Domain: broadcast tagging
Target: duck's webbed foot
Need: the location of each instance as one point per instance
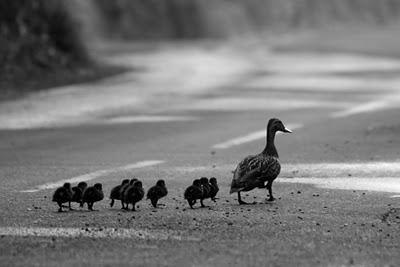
(241, 202)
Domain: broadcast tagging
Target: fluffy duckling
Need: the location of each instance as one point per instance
(123, 189)
(78, 193)
(115, 192)
(193, 192)
(156, 192)
(63, 195)
(206, 190)
(214, 188)
(133, 194)
(93, 194)
(256, 170)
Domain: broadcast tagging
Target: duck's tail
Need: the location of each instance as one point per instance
(235, 187)
(235, 190)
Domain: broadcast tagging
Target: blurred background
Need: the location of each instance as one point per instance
(51, 35)
(184, 46)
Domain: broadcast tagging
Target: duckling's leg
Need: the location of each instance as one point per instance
(154, 202)
(190, 202)
(241, 202)
(202, 204)
(112, 203)
(60, 205)
(122, 205)
(133, 207)
(269, 187)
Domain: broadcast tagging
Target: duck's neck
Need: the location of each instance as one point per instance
(270, 149)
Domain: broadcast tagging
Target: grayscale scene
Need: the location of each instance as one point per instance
(200, 133)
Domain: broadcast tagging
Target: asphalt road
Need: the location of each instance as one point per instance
(343, 108)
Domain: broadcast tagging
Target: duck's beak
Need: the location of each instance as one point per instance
(286, 130)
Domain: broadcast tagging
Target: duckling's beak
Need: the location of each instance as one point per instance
(286, 130)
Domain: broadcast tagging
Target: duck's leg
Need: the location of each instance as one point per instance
(122, 205)
(202, 204)
(269, 187)
(241, 202)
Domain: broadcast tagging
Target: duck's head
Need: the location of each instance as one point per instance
(197, 182)
(98, 186)
(204, 180)
(82, 185)
(125, 181)
(67, 185)
(138, 184)
(276, 125)
(213, 180)
(161, 183)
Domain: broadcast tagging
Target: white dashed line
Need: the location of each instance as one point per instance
(381, 184)
(362, 108)
(121, 233)
(94, 175)
(249, 138)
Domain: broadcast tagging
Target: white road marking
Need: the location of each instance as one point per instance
(94, 175)
(381, 184)
(362, 108)
(318, 170)
(317, 83)
(249, 138)
(341, 169)
(96, 233)
(147, 118)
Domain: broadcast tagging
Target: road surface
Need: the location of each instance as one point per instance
(188, 111)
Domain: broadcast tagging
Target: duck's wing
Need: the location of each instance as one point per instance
(247, 172)
(253, 171)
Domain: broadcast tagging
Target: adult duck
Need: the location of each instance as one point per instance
(256, 170)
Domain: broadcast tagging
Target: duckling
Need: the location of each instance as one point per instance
(214, 188)
(206, 190)
(63, 195)
(133, 195)
(115, 192)
(156, 192)
(123, 189)
(256, 170)
(78, 193)
(193, 192)
(93, 194)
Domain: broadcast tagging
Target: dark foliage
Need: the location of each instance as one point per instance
(36, 35)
